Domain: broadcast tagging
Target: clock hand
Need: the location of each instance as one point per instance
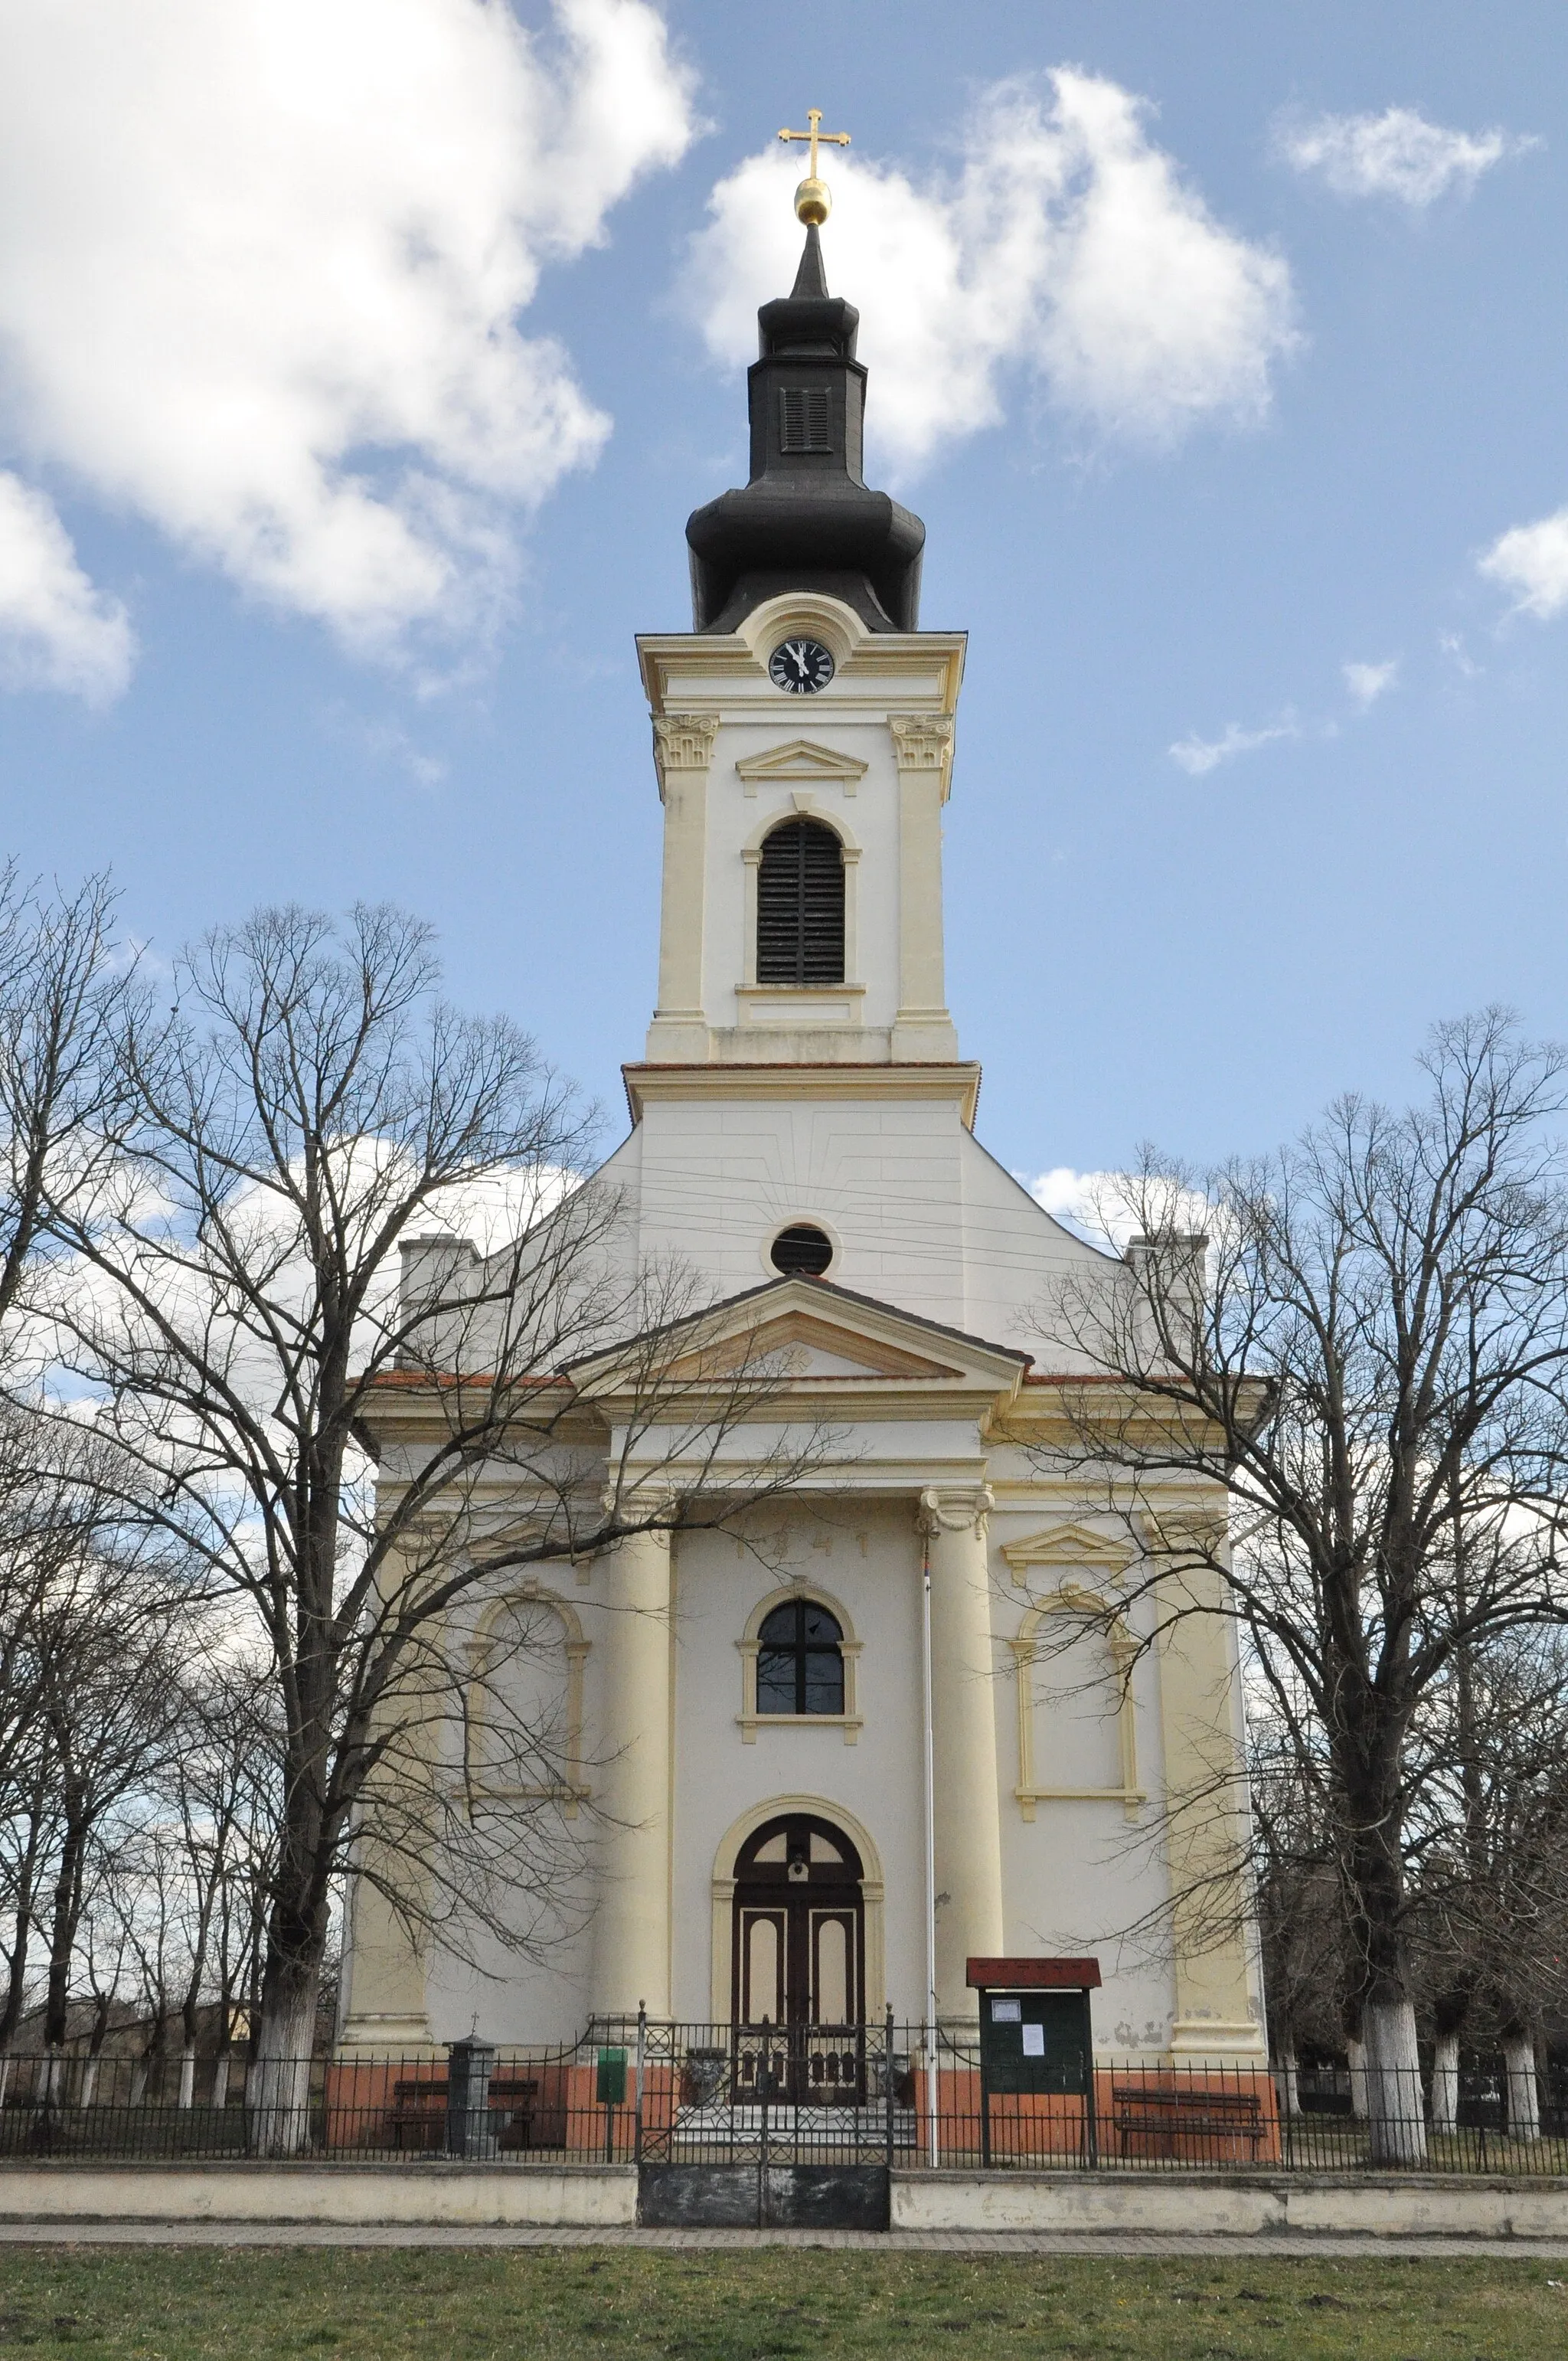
(798, 653)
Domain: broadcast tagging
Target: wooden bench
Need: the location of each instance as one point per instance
(418, 2117)
(1173, 2115)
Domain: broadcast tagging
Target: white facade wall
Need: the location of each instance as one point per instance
(746, 1121)
(920, 1215)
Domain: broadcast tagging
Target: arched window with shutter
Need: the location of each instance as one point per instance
(800, 906)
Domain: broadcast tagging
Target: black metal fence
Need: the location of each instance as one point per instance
(631, 2090)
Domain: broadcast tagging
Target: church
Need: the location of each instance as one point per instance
(825, 1761)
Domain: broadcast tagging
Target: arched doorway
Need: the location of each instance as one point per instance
(798, 1958)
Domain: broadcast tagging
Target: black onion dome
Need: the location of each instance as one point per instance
(806, 520)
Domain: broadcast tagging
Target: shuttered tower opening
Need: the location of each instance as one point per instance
(800, 906)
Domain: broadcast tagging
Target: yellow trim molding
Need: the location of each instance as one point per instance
(1096, 1612)
(849, 1721)
(1069, 1544)
(872, 1894)
(572, 1789)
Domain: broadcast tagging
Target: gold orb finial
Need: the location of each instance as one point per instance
(812, 203)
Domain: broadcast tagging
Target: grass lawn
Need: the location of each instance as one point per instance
(250, 2304)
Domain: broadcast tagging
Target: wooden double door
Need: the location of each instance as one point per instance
(799, 1962)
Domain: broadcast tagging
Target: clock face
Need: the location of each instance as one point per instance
(800, 668)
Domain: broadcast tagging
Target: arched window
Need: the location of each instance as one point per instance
(800, 1659)
(800, 906)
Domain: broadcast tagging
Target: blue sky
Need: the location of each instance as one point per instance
(337, 513)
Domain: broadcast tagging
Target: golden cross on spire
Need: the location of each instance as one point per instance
(812, 202)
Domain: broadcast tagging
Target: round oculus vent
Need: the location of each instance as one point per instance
(802, 1251)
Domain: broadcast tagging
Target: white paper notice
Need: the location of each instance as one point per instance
(1033, 2042)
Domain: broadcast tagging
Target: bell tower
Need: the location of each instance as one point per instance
(803, 736)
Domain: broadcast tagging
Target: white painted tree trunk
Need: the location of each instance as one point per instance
(187, 2075)
(54, 2077)
(1524, 2097)
(221, 2080)
(1445, 2083)
(1290, 2084)
(279, 2090)
(1356, 2052)
(1395, 2111)
(90, 2081)
(138, 2081)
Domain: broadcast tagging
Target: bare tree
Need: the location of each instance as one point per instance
(82, 1603)
(1487, 1861)
(1369, 1350)
(308, 1108)
(109, 1645)
(220, 1794)
(1302, 1927)
(61, 997)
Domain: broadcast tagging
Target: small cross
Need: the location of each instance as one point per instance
(833, 138)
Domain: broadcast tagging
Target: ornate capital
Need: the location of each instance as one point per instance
(684, 741)
(948, 1511)
(921, 741)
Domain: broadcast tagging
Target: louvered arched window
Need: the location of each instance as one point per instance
(800, 906)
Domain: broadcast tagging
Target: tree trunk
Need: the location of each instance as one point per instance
(279, 2085)
(64, 1918)
(1445, 2083)
(1289, 2087)
(221, 2081)
(1394, 2107)
(188, 2074)
(101, 2003)
(1356, 2054)
(1524, 2096)
(17, 1958)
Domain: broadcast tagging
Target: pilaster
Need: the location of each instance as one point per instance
(922, 744)
(383, 2004)
(968, 1811)
(1218, 2013)
(632, 1921)
(683, 755)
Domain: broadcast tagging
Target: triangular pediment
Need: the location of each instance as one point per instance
(807, 1332)
(798, 1345)
(1069, 1546)
(802, 759)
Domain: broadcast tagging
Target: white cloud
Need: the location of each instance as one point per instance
(1093, 1205)
(1109, 1208)
(273, 257)
(1369, 681)
(1069, 247)
(1198, 756)
(56, 631)
(1530, 561)
(1396, 154)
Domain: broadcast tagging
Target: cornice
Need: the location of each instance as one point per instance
(647, 1085)
(864, 658)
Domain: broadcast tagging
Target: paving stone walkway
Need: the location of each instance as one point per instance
(928, 2242)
